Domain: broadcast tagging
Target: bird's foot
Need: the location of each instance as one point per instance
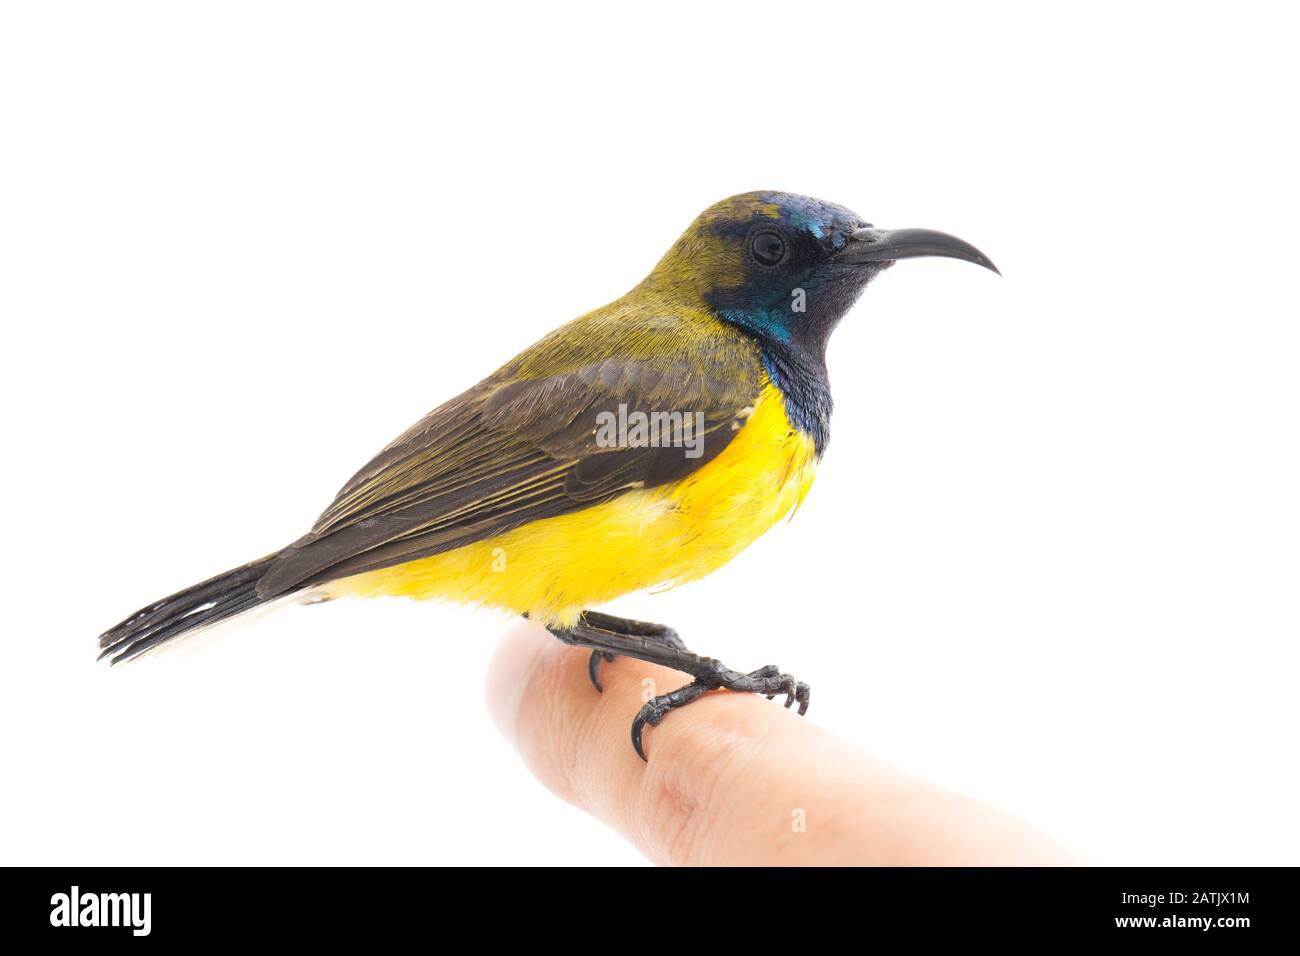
(768, 681)
(608, 637)
(593, 667)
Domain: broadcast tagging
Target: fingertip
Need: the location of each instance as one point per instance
(512, 668)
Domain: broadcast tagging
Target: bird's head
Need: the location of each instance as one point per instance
(786, 268)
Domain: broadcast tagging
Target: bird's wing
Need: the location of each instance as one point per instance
(515, 449)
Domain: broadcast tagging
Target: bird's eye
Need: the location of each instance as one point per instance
(767, 248)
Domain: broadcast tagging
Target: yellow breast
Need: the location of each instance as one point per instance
(554, 568)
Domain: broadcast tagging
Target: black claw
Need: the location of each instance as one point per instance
(593, 667)
(649, 714)
(803, 694)
(638, 725)
(655, 710)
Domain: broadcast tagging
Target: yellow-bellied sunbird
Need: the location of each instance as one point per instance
(643, 444)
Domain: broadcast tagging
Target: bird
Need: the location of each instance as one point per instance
(641, 445)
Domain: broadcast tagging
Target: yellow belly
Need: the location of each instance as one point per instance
(554, 568)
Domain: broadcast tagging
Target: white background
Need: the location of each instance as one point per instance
(1051, 556)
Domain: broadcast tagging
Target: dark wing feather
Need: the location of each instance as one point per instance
(516, 449)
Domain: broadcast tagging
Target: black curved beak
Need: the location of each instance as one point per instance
(885, 245)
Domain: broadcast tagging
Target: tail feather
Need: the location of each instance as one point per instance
(208, 602)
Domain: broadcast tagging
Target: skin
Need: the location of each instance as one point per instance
(725, 778)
